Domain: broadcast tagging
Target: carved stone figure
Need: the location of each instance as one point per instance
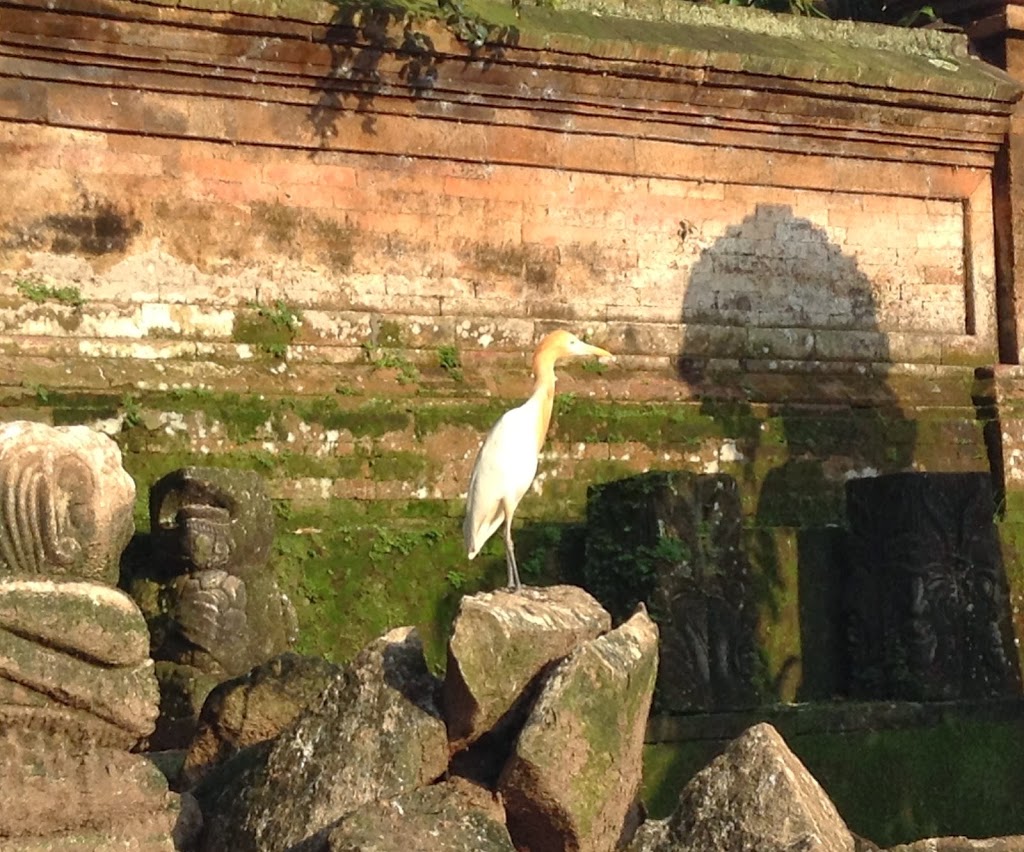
(214, 609)
(221, 609)
(67, 503)
(72, 648)
(673, 541)
(77, 687)
(926, 596)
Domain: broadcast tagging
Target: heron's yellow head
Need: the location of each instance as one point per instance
(561, 344)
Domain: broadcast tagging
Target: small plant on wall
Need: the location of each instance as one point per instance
(36, 291)
(389, 359)
(450, 361)
(271, 328)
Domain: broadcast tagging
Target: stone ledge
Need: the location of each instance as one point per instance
(727, 40)
(839, 717)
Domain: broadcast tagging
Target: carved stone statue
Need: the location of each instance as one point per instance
(214, 609)
(77, 687)
(673, 541)
(926, 596)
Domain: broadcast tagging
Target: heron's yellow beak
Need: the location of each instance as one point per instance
(603, 354)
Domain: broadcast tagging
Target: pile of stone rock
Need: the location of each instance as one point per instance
(532, 740)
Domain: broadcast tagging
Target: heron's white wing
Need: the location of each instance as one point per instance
(504, 469)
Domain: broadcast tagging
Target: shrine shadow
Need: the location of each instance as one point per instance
(765, 301)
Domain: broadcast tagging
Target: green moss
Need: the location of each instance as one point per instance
(270, 328)
(244, 415)
(654, 424)
(565, 497)
(477, 415)
(399, 465)
(798, 494)
(773, 556)
(389, 333)
(372, 419)
(354, 577)
(69, 408)
(922, 783)
(145, 467)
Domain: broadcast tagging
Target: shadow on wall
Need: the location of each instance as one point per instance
(768, 299)
(913, 602)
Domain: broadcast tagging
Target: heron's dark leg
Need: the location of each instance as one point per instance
(510, 555)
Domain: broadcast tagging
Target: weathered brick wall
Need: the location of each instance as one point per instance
(856, 232)
(168, 239)
(786, 236)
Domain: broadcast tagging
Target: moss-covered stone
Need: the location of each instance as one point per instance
(576, 764)
(737, 39)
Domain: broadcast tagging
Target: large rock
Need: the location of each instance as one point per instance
(253, 708)
(55, 787)
(755, 797)
(75, 654)
(450, 817)
(374, 732)
(501, 641)
(573, 778)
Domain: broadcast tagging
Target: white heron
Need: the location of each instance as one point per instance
(507, 461)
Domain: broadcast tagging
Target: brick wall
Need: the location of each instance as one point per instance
(597, 193)
(643, 262)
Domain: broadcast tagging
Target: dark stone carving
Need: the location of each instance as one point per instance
(220, 608)
(926, 598)
(673, 541)
(208, 518)
(213, 606)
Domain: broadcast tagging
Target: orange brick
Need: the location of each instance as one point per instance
(395, 181)
(340, 198)
(396, 223)
(287, 173)
(220, 168)
(498, 190)
(244, 192)
(661, 187)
